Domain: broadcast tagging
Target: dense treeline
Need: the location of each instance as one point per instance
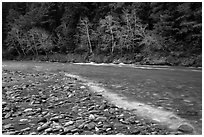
(148, 33)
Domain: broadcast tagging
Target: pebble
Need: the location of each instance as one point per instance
(68, 129)
(108, 129)
(82, 87)
(25, 129)
(68, 123)
(33, 133)
(56, 119)
(8, 126)
(48, 130)
(101, 118)
(90, 126)
(28, 109)
(3, 103)
(7, 115)
(64, 109)
(23, 120)
(43, 127)
(9, 133)
(91, 117)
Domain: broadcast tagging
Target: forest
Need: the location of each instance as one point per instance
(163, 33)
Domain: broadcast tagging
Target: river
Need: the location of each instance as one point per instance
(172, 89)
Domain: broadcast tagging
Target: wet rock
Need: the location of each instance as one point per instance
(185, 128)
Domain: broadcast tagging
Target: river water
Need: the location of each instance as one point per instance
(173, 89)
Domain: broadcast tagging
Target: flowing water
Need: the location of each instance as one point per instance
(164, 94)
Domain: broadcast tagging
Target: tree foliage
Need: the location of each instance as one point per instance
(103, 28)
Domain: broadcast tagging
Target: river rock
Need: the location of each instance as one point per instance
(43, 127)
(8, 115)
(185, 128)
(23, 120)
(100, 118)
(8, 126)
(28, 109)
(4, 103)
(87, 133)
(134, 130)
(82, 87)
(91, 117)
(90, 126)
(68, 129)
(68, 123)
(42, 120)
(56, 119)
(48, 130)
(10, 133)
(25, 129)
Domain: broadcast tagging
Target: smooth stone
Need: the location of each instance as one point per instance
(33, 133)
(26, 129)
(68, 123)
(9, 133)
(101, 119)
(68, 129)
(8, 126)
(43, 127)
(90, 126)
(56, 118)
(185, 128)
(91, 117)
(28, 109)
(82, 87)
(48, 130)
(42, 120)
(4, 103)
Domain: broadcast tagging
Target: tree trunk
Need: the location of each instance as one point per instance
(19, 54)
(23, 52)
(36, 50)
(112, 39)
(89, 41)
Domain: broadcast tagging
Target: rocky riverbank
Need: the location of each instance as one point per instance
(48, 103)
